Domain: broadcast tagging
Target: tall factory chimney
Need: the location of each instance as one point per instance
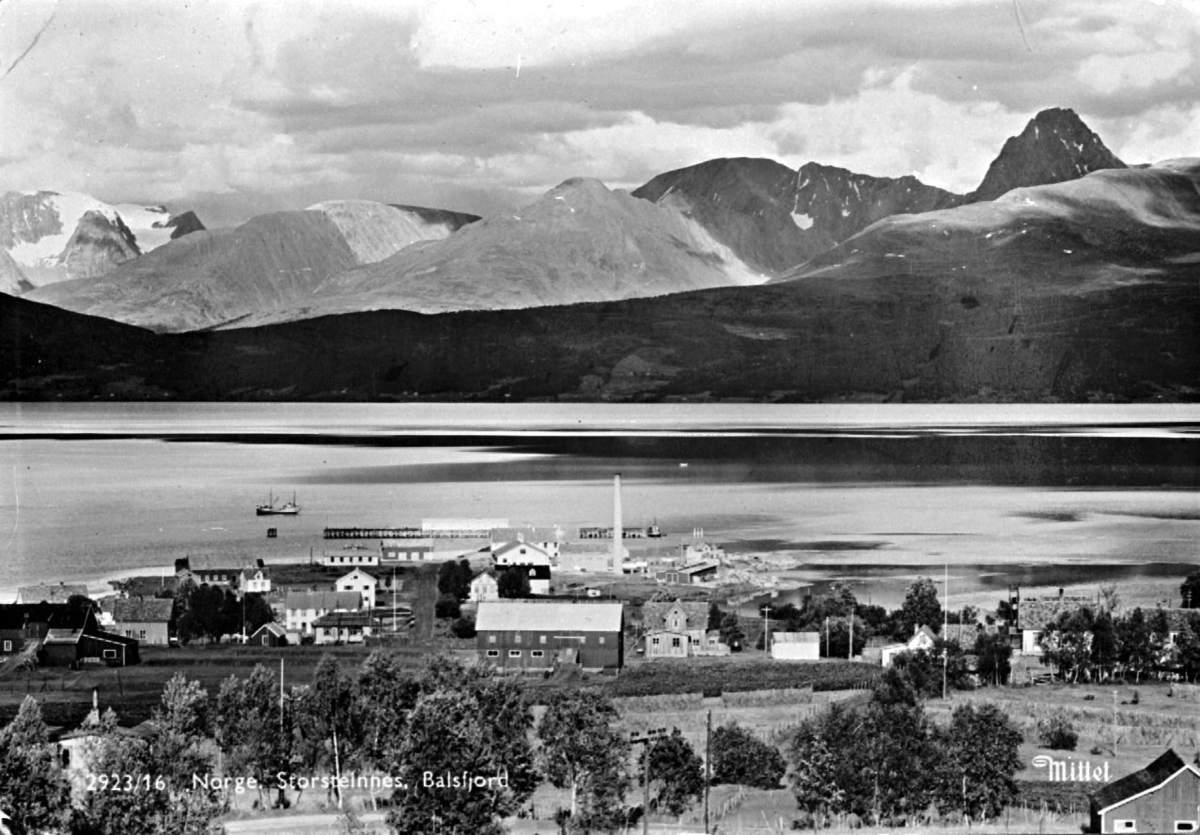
(617, 533)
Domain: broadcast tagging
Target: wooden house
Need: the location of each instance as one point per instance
(361, 582)
(148, 619)
(679, 630)
(302, 608)
(535, 636)
(343, 627)
(1162, 797)
(270, 634)
(702, 572)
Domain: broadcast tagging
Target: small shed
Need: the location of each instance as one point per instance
(702, 572)
(72, 647)
(795, 646)
(1162, 797)
(269, 635)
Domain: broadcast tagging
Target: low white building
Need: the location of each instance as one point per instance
(302, 608)
(795, 646)
(351, 556)
(361, 582)
(406, 550)
(343, 628)
(484, 588)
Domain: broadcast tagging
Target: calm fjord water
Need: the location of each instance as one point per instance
(89, 491)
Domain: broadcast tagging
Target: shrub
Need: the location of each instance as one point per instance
(447, 606)
(1057, 732)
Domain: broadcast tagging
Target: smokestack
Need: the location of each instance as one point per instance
(617, 531)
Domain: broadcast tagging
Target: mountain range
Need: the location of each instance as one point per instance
(1066, 275)
(48, 236)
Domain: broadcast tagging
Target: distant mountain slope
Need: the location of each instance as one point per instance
(270, 262)
(1108, 224)
(579, 243)
(775, 218)
(62, 236)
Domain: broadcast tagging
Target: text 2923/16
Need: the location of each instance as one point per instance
(126, 782)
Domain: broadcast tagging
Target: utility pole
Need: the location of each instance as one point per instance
(648, 739)
(945, 624)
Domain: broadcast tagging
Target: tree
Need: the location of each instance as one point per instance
(383, 694)
(731, 632)
(676, 773)
(741, 758)
(33, 789)
(1189, 591)
(994, 654)
(1136, 643)
(463, 627)
(167, 802)
(206, 615)
(477, 726)
(328, 733)
(981, 756)
(715, 616)
(1057, 732)
(1066, 643)
(513, 582)
(920, 607)
(447, 607)
(252, 729)
(579, 747)
(1188, 647)
(454, 579)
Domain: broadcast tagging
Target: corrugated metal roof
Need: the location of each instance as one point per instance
(530, 616)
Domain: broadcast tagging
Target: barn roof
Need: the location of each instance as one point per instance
(535, 616)
(1140, 781)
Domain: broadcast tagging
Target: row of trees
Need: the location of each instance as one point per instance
(888, 764)
(443, 719)
(1087, 645)
(211, 612)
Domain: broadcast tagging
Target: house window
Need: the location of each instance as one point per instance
(493, 653)
(1124, 826)
(491, 639)
(266, 640)
(675, 643)
(655, 641)
(514, 653)
(517, 638)
(583, 639)
(537, 653)
(8, 646)
(601, 639)
(142, 634)
(109, 653)
(1185, 826)
(542, 639)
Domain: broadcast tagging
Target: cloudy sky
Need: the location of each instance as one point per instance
(233, 108)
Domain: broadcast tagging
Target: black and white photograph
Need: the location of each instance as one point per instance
(441, 417)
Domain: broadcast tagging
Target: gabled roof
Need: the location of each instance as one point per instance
(1139, 782)
(329, 600)
(535, 616)
(63, 636)
(143, 610)
(654, 613)
(358, 572)
(272, 627)
(1035, 613)
(696, 568)
(523, 552)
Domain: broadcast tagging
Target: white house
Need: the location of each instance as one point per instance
(302, 608)
(406, 550)
(256, 580)
(923, 638)
(519, 552)
(361, 582)
(795, 646)
(484, 588)
(343, 628)
(548, 539)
